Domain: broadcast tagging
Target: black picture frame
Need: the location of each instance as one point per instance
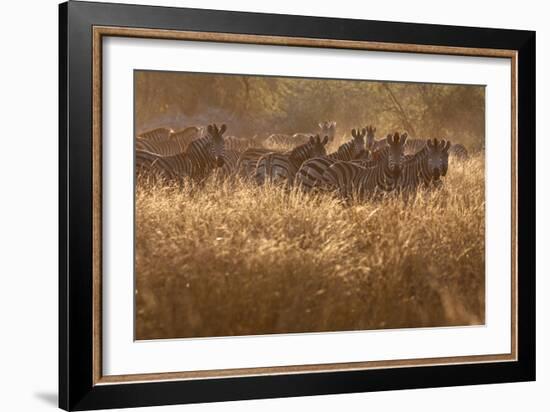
(76, 386)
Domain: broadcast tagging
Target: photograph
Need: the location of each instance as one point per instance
(282, 205)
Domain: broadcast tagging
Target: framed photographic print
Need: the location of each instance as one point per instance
(256, 205)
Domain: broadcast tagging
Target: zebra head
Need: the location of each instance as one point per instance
(438, 157)
(328, 129)
(396, 152)
(217, 144)
(371, 130)
(358, 142)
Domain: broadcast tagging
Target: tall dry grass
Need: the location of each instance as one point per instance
(229, 258)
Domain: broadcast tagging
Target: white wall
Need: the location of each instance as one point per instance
(28, 203)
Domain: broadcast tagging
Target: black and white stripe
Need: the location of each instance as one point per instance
(246, 165)
(173, 144)
(411, 147)
(381, 175)
(282, 141)
(282, 167)
(201, 157)
(229, 168)
(414, 146)
(239, 144)
(458, 151)
(426, 167)
(310, 174)
(160, 134)
(143, 163)
(372, 144)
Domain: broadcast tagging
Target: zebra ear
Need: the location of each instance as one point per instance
(388, 138)
(325, 141)
(447, 146)
(312, 139)
(209, 129)
(223, 129)
(354, 133)
(396, 138)
(429, 143)
(363, 132)
(403, 138)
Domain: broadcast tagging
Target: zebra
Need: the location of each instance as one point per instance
(414, 146)
(425, 167)
(246, 165)
(230, 159)
(174, 144)
(327, 129)
(375, 150)
(277, 167)
(238, 144)
(143, 162)
(184, 137)
(458, 151)
(309, 176)
(371, 143)
(284, 140)
(381, 175)
(411, 146)
(201, 157)
(160, 134)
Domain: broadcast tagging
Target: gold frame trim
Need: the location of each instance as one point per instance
(101, 31)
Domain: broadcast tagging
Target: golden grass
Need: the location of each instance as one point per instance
(230, 258)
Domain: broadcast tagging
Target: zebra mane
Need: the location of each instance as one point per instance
(205, 140)
(342, 150)
(301, 152)
(198, 152)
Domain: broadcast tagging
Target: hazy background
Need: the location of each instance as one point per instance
(260, 105)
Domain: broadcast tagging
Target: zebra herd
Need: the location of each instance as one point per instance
(363, 166)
